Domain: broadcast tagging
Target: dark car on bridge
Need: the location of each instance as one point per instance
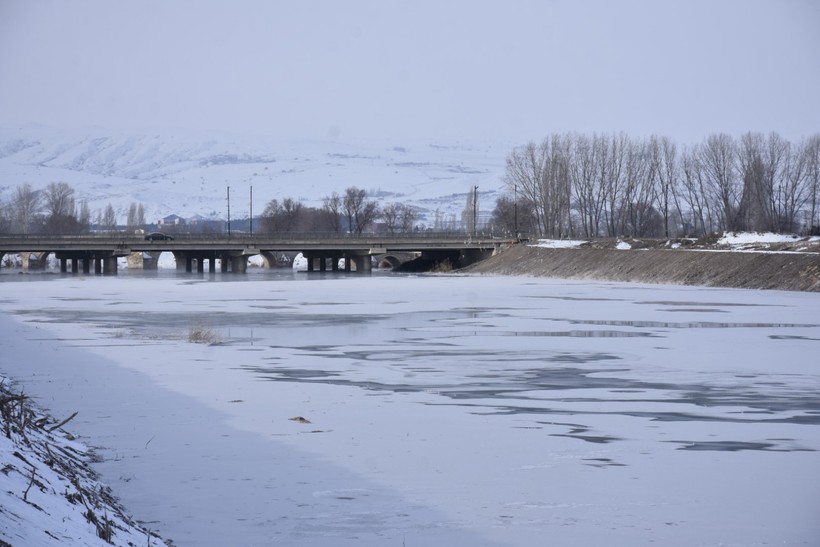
(158, 236)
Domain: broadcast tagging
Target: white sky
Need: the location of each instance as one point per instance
(461, 69)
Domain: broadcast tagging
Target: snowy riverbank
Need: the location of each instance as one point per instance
(50, 495)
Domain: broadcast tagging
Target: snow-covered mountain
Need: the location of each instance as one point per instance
(188, 174)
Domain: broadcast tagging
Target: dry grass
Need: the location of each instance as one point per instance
(203, 335)
(445, 266)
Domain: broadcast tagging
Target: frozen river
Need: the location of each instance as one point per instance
(457, 411)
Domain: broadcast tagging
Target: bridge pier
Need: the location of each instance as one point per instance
(110, 265)
(150, 261)
(363, 262)
(322, 257)
(239, 264)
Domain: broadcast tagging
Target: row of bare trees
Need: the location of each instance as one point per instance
(54, 210)
(351, 212)
(614, 185)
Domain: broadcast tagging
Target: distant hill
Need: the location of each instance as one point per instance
(188, 173)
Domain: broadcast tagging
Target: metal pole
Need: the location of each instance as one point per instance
(229, 211)
(475, 211)
(251, 210)
(515, 208)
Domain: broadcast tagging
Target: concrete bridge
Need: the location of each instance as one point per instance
(192, 251)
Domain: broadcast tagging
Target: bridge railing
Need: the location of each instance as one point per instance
(245, 236)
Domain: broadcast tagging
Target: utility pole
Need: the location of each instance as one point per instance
(475, 211)
(515, 209)
(229, 211)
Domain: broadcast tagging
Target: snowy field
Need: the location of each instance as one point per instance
(188, 173)
(458, 411)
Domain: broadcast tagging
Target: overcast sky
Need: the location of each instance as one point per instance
(507, 70)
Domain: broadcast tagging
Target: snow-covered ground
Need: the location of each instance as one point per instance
(728, 241)
(50, 495)
(391, 410)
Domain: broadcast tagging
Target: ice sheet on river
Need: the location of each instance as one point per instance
(441, 410)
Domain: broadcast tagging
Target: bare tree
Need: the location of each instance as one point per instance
(136, 216)
(796, 189)
(540, 175)
(469, 216)
(524, 176)
(399, 218)
(663, 155)
(811, 152)
(284, 216)
(615, 184)
(107, 221)
(639, 216)
(26, 204)
(5, 218)
(60, 209)
(717, 158)
(333, 211)
(408, 218)
(84, 217)
(694, 195)
(59, 199)
(587, 172)
(359, 211)
(511, 217)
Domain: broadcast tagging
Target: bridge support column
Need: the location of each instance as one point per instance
(223, 264)
(63, 266)
(75, 266)
(212, 265)
(86, 265)
(97, 265)
(367, 264)
(110, 265)
(179, 259)
(239, 264)
(362, 262)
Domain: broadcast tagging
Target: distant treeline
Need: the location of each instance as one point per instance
(569, 185)
(54, 211)
(578, 185)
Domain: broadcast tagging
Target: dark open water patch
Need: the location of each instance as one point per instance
(735, 446)
(520, 391)
(684, 324)
(698, 303)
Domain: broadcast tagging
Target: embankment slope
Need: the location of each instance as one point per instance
(790, 271)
